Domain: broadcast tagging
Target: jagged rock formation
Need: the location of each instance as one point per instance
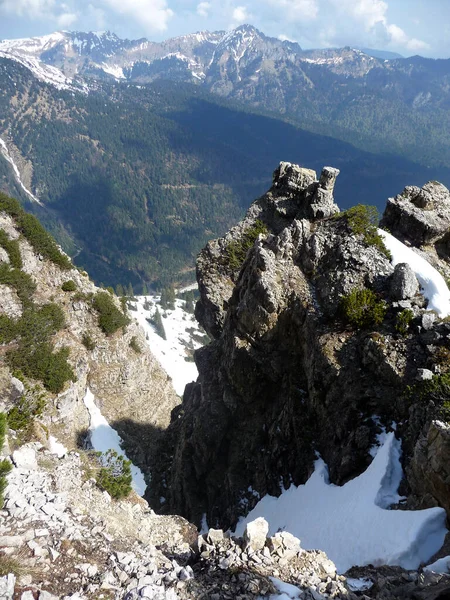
(285, 375)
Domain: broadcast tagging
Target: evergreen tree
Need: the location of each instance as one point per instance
(130, 291)
(168, 298)
(144, 289)
(159, 325)
(119, 290)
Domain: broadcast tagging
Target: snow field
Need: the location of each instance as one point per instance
(170, 353)
(353, 523)
(433, 284)
(103, 438)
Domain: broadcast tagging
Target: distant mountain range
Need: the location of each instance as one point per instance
(398, 106)
(141, 151)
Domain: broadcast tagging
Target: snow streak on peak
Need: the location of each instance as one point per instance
(35, 44)
(45, 73)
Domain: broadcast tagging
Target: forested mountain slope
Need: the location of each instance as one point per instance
(133, 180)
(398, 106)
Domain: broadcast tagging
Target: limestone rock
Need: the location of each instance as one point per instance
(255, 533)
(404, 284)
(419, 215)
(25, 458)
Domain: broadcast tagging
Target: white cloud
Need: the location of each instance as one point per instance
(34, 9)
(65, 20)
(152, 15)
(203, 9)
(240, 15)
(371, 16)
(298, 10)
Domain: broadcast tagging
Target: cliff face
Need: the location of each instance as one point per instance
(132, 391)
(286, 376)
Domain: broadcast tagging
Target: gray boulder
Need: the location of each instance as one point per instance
(404, 283)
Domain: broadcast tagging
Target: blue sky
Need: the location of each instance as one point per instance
(405, 26)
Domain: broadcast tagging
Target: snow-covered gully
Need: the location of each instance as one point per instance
(103, 438)
(353, 523)
(6, 154)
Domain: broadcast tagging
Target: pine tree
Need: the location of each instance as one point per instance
(119, 290)
(159, 325)
(144, 289)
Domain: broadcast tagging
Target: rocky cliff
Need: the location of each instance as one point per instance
(130, 388)
(318, 343)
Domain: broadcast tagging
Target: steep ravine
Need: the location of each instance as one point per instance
(287, 376)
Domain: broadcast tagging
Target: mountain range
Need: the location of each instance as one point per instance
(139, 152)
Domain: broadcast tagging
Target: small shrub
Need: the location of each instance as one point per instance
(115, 474)
(110, 318)
(8, 329)
(37, 325)
(436, 390)
(363, 220)
(20, 281)
(362, 309)
(69, 286)
(134, 344)
(88, 342)
(12, 248)
(42, 363)
(42, 242)
(441, 357)
(403, 321)
(236, 250)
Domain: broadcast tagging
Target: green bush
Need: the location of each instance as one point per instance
(88, 342)
(436, 390)
(363, 220)
(69, 286)
(20, 281)
(362, 309)
(42, 242)
(134, 344)
(115, 474)
(110, 318)
(12, 248)
(8, 329)
(403, 321)
(40, 362)
(236, 250)
(29, 406)
(38, 324)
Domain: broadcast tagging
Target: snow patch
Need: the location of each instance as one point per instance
(5, 153)
(287, 590)
(171, 352)
(442, 565)
(103, 438)
(113, 70)
(433, 284)
(352, 523)
(56, 447)
(45, 73)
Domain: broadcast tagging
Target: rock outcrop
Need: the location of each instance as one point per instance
(131, 389)
(286, 376)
